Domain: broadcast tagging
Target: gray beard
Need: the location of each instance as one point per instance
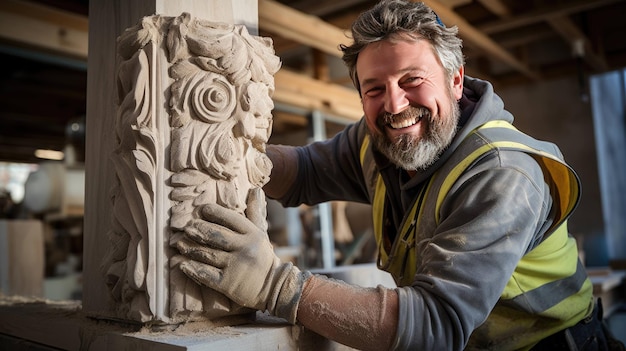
(413, 154)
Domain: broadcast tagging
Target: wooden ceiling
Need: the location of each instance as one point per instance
(43, 48)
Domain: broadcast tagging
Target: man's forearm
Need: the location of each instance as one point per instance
(285, 168)
(364, 318)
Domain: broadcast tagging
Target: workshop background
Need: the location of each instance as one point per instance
(559, 66)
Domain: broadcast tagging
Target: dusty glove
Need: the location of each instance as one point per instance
(232, 254)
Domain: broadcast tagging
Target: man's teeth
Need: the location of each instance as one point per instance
(404, 123)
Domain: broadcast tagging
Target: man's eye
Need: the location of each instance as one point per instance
(373, 92)
(412, 80)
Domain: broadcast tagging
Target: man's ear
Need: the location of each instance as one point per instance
(457, 83)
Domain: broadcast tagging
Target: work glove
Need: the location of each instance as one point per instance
(231, 253)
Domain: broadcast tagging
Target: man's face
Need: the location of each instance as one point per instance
(410, 104)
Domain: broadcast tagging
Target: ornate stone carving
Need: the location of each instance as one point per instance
(193, 119)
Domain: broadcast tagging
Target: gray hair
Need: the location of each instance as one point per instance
(403, 20)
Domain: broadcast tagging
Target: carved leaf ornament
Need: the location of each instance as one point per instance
(202, 141)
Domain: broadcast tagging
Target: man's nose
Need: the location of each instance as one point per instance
(395, 100)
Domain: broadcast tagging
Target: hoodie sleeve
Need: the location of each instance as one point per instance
(330, 170)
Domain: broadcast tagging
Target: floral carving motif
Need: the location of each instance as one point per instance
(208, 147)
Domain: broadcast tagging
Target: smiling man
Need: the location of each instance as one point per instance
(400, 83)
(470, 214)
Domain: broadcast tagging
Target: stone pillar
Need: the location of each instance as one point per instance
(177, 119)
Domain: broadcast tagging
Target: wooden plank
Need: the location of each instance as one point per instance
(470, 33)
(321, 71)
(99, 176)
(481, 71)
(308, 93)
(43, 13)
(496, 7)
(323, 7)
(45, 323)
(541, 15)
(40, 27)
(526, 36)
(454, 3)
(285, 122)
(581, 45)
(305, 29)
(42, 34)
(563, 25)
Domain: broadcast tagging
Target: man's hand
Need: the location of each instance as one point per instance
(232, 254)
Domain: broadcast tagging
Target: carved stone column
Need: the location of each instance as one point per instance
(193, 119)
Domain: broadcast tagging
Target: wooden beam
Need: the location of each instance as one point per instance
(563, 25)
(323, 7)
(301, 91)
(45, 14)
(581, 45)
(454, 3)
(44, 28)
(291, 88)
(321, 71)
(525, 36)
(571, 7)
(496, 7)
(286, 122)
(481, 71)
(283, 20)
(470, 33)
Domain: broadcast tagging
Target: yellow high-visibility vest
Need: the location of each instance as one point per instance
(561, 175)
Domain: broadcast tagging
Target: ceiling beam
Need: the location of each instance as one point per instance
(521, 20)
(525, 36)
(578, 41)
(482, 71)
(454, 3)
(44, 32)
(309, 30)
(321, 8)
(44, 28)
(45, 14)
(471, 34)
(496, 7)
(302, 91)
(581, 45)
